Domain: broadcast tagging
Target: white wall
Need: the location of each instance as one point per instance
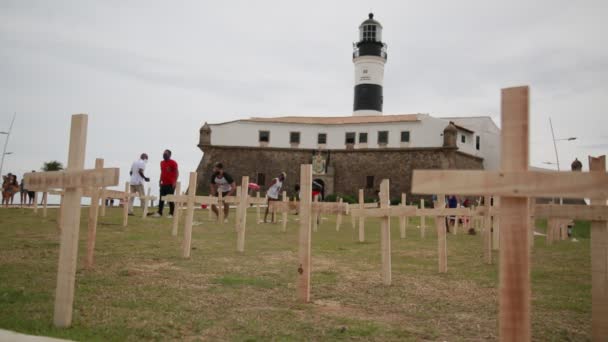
(424, 133)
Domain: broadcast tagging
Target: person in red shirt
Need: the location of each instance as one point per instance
(168, 178)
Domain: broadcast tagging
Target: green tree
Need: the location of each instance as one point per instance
(52, 165)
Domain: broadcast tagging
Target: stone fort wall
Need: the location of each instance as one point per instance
(348, 169)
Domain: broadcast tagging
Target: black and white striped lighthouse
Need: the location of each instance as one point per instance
(369, 56)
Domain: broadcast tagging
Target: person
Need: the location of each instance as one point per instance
(273, 192)
(23, 193)
(169, 173)
(31, 195)
(221, 181)
(137, 180)
(452, 203)
(14, 187)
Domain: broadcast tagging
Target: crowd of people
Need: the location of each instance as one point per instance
(11, 187)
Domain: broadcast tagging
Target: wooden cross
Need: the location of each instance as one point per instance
(284, 218)
(403, 219)
(385, 212)
(422, 221)
(178, 205)
(597, 213)
(339, 217)
(92, 223)
(73, 180)
(145, 200)
(189, 200)
(125, 203)
(488, 213)
(363, 205)
(514, 183)
(441, 212)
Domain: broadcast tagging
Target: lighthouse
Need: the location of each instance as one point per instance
(369, 57)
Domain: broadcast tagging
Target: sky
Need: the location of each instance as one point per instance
(149, 74)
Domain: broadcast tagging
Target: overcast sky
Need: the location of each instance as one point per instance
(150, 73)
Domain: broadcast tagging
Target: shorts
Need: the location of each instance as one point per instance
(31, 194)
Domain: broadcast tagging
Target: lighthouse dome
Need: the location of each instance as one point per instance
(370, 30)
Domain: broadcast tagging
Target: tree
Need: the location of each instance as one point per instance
(52, 165)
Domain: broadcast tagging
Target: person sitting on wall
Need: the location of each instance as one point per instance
(273, 193)
(221, 181)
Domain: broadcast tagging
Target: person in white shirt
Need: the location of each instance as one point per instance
(273, 192)
(137, 180)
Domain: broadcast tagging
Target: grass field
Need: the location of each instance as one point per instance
(141, 289)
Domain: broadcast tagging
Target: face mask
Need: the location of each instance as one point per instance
(166, 156)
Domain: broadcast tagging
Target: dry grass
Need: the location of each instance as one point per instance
(141, 289)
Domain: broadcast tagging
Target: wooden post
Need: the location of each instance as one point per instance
(125, 204)
(286, 200)
(599, 263)
(496, 226)
(68, 250)
(403, 219)
(35, 202)
(353, 220)
(442, 244)
(385, 233)
(92, 223)
(339, 218)
(237, 215)
(190, 216)
(361, 219)
(487, 232)
(60, 213)
(304, 257)
(315, 217)
(220, 207)
(44, 203)
(102, 210)
(531, 203)
(209, 213)
(422, 221)
(241, 215)
(257, 208)
(178, 205)
(514, 291)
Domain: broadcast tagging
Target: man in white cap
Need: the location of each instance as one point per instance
(137, 179)
(273, 192)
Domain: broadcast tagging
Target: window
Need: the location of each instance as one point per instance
(383, 137)
(463, 138)
(477, 142)
(322, 138)
(264, 136)
(362, 138)
(369, 32)
(261, 179)
(405, 136)
(294, 137)
(350, 138)
(369, 182)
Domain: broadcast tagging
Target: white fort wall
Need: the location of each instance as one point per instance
(427, 132)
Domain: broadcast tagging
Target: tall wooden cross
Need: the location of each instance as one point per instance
(422, 221)
(597, 213)
(385, 212)
(189, 200)
(92, 223)
(304, 240)
(73, 180)
(363, 205)
(487, 212)
(514, 183)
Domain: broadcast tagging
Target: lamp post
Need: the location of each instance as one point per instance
(561, 200)
(8, 134)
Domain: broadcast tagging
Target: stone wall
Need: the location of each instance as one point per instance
(350, 168)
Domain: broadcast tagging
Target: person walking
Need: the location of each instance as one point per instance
(169, 173)
(137, 180)
(273, 192)
(23, 193)
(221, 181)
